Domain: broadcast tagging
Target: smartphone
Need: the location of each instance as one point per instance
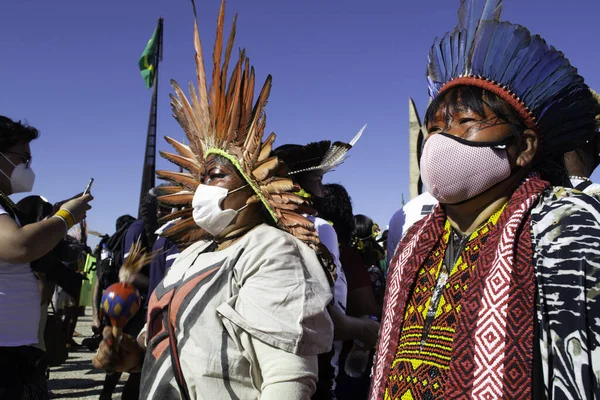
(89, 186)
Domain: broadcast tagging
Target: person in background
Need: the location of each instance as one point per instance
(336, 206)
(582, 162)
(307, 164)
(19, 246)
(143, 229)
(107, 272)
(404, 218)
(366, 244)
(110, 257)
(166, 252)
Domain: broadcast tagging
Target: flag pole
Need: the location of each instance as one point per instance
(148, 174)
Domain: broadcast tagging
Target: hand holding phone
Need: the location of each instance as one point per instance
(89, 187)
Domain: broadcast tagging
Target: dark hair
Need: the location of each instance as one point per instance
(12, 132)
(465, 97)
(336, 206)
(298, 157)
(35, 208)
(124, 220)
(149, 214)
(364, 242)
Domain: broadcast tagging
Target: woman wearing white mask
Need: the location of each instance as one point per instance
(19, 246)
(242, 315)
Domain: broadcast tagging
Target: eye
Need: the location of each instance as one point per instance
(465, 120)
(434, 129)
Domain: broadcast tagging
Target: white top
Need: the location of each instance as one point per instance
(19, 303)
(407, 216)
(329, 238)
(245, 318)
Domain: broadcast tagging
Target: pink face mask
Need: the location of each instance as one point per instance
(454, 169)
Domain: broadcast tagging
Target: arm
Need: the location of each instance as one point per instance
(283, 375)
(23, 245)
(351, 328)
(361, 301)
(19, 245)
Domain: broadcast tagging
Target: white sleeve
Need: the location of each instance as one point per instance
(329, 238)
(395, 234)
(281, 375)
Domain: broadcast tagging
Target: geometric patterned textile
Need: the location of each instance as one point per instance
(421, 364)
(492, 346)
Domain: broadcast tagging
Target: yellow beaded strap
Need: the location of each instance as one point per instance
(67, 217)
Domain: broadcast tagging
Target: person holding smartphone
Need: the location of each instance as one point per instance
(19, 246)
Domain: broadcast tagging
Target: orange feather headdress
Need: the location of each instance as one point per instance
(224, 121)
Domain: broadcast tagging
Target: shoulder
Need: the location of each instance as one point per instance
(268, 238)
(565, 213)
(397, 219)
(137, 226)
(558, 203)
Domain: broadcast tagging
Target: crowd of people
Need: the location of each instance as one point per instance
(264, 283)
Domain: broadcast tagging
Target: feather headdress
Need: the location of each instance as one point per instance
(505, 59)
(224, 121)
(316, 156)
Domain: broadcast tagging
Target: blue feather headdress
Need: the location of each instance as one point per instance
(505, 59)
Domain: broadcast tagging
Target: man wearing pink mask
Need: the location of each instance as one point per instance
(494, 294)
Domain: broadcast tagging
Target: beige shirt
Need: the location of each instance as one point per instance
(237, 311)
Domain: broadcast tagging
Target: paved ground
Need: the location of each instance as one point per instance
(76, 378)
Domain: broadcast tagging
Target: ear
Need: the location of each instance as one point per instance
(528, 148)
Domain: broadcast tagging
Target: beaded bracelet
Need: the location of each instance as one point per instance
(67, 217)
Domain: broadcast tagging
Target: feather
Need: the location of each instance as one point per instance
(292, 219)
(185, 232)
(287, 198)
(179, 214)
(204, 116)
(179, 178)
(278, 185)
(267, 148)
(164, 190)
(336, 154)
(217, 51)
(492, 10)
(183, 114)
(183, 150)
(135, 261)
(266, 169)
(181, 199)
(192, 166)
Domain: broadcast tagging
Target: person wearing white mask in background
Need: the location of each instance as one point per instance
(19, 246)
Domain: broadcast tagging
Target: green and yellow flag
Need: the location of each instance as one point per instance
(149, 59)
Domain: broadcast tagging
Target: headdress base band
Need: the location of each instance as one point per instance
(500, 91)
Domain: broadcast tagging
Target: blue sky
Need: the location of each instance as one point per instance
(70, 69)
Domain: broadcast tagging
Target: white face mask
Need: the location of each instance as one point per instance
(208, 213)
(21, 178)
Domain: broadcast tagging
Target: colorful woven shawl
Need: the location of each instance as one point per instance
(493, 350)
